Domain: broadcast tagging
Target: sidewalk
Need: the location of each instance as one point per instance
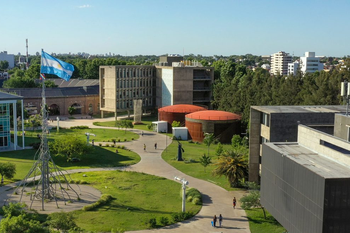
(216, 200)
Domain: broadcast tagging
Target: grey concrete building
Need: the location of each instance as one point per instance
(170, 82)
(305, 184)
(280, 124)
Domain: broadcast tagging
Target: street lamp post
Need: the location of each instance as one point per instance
(88, 137)
(184, 183)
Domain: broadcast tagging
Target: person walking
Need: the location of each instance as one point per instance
(234, 202)
(220, 220)
(214, 220)
(144, 147)
(155, 146)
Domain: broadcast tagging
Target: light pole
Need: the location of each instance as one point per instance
(184, 183)
(88, 137)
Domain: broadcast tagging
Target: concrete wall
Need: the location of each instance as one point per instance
(167, 87)
(254, 145)
(183, 85)
(324, 144)
(291, 193)
(341, 126)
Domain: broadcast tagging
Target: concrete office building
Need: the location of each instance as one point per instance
(293, 68)
(305, 184)
(10, 58)
(279, 63)
(310, 63)
(172, 81)
(279, 124)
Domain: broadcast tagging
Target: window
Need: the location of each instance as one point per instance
(265, 119)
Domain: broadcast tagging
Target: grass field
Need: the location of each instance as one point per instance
(137, 198)
(258, 224)
(145, 121)
(100, 157)
(102, 135)
(191, 166)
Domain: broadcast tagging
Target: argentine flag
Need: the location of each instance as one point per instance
(51, 65)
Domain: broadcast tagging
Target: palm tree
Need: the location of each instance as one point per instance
(208, 140)
(234, 165)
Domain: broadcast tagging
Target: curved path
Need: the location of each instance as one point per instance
(216, 200)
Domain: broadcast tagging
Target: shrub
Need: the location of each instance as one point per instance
(107, 145)
(149, 126)
(124, 139)
(181, 216)
(100, 144)
(132, 139)
(122, 147)
(163, 221)
(105, 198)
(152, 222)
(118, 139)
(190, 141)
(80, 127)
(35, 145)
(194, 196)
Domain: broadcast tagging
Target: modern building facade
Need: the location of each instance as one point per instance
(120, 85)
(170, 82)
(279, 63)
(9, 121)
(280, 124)
(305, 184)
(310, 63)
(293, 68)
(10, 58)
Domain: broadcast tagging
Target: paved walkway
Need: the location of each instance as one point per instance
(216, 200)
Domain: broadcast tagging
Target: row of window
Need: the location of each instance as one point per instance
(134, 72)
(146, 102)
(135, 83)
(134, 93)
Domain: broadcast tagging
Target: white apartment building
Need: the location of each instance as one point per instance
(279, 63)
(310, 63)
(293, 68)
(10, 58)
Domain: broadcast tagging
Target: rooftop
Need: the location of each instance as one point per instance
(315, 162)
(301, 109)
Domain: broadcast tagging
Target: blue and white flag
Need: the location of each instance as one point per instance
(51, 65)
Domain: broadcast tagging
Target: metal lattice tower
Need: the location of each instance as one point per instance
(47, 182)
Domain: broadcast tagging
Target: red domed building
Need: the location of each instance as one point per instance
(223, 124)
(177, 113)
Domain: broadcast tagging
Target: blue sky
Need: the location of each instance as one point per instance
(156, 27)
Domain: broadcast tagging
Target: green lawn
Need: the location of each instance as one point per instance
(191, 166)
(137, 198)
(258, 224)
(100, 157)
(145, 120)
(102, 135)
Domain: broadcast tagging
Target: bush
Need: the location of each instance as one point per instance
(193, 195)
(149, 126)
(181, 216)
(132, 139)
(124, 139)
(100, 144)
(190, 141)
(152, 222)
(35, 145)
(107, 145)
(80, 127)
(118, 140)
(163, 221)
(122, 147)
(105, 198)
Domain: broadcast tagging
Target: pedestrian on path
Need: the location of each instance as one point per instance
(144, 147)
(141, 133)
(220, 220)
(214, 220)
(155, 146)
(234, 202)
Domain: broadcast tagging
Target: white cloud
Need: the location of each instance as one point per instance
(84, 6)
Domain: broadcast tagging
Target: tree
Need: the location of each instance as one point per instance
(208, 140)
(219, 149)
(69, 146)
(71, 110)
(34, 121)
(4, 65)
(176, 124)
(234, 165)
(252, 200)
(62, 221)
(127, 124)
(17, 220)
(7, 170)
(205, 160)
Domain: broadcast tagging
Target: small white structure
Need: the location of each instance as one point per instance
(160, 126)
(310, 63)
(180, 132)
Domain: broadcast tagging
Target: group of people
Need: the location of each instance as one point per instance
(220, 218)
(215, 219)
(144, 146)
